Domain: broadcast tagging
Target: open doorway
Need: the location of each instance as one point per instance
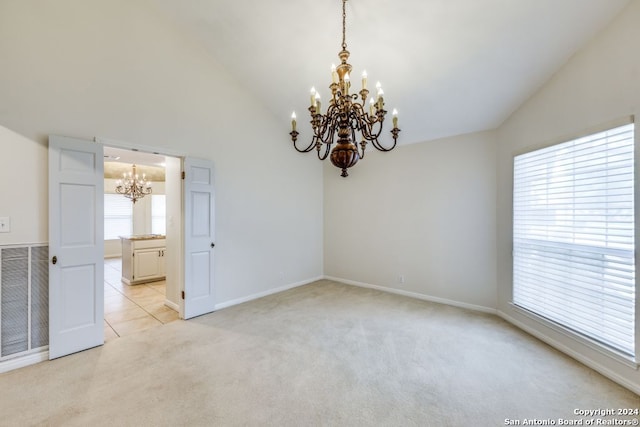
(137, 245)
(76, 241)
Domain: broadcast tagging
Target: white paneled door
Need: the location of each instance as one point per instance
(76, 287)
(199, 238)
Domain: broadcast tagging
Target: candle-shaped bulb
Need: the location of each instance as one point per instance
(313, 96)
(395, 118)
(347, 78)
(378, 85)
(318, 103)
(334, 74)
(364, 79)
(380, 99)
(372, 105)
(293, 121)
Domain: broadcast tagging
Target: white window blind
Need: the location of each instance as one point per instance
(573, 236)
(118, 216)
(158, 214)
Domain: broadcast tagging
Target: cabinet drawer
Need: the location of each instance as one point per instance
(146, 244)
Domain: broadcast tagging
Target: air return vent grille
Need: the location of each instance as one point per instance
(24, 299)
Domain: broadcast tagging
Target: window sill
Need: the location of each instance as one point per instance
(591, 344)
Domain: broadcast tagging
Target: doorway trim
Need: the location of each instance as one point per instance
(176, 242)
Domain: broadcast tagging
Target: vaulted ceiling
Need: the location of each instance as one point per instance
(449, 66)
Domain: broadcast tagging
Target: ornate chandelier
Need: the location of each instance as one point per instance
(132, 187)
(345, 116)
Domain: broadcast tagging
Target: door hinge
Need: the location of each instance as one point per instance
(183, 174)
(182, 294)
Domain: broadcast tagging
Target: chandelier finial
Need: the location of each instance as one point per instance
(346, 116)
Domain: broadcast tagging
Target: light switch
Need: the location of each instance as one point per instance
(5, 224)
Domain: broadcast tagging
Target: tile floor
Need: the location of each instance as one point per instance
(132, 308)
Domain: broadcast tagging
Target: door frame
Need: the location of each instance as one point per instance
(162, 152)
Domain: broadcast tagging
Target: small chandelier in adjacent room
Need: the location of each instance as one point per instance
(132, 187)
(346, 116)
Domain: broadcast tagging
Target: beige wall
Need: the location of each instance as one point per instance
(600, 84)
(115, 70)
(423, 211)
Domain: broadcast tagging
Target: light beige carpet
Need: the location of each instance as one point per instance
(324, 354)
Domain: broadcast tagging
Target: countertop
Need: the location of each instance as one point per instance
(143, 237)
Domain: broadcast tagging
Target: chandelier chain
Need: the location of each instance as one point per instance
(344, 24)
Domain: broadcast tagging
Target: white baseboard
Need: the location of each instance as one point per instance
(415, 295)
(22, 361)
(172, 305)
(265, 293)
(598, 367)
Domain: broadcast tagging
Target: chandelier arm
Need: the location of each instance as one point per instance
(363, 143)
(372, 137)
(323, 129)
(333, 129)
(381, 147)
(324, 134)
(361, 149)
(327, 150)
(304, 150)
(332, 121)
(365, 124)
(329, 136)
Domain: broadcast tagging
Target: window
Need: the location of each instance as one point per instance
(118, 213)
(158, 214)
(573, 236)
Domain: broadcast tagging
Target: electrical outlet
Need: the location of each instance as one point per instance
(401, 278)
(5, 224)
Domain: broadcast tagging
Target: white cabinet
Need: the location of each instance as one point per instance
(143, 259)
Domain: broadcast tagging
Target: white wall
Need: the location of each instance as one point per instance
(600, 84)
(23, 191)
(424, 211)
(116, 70)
